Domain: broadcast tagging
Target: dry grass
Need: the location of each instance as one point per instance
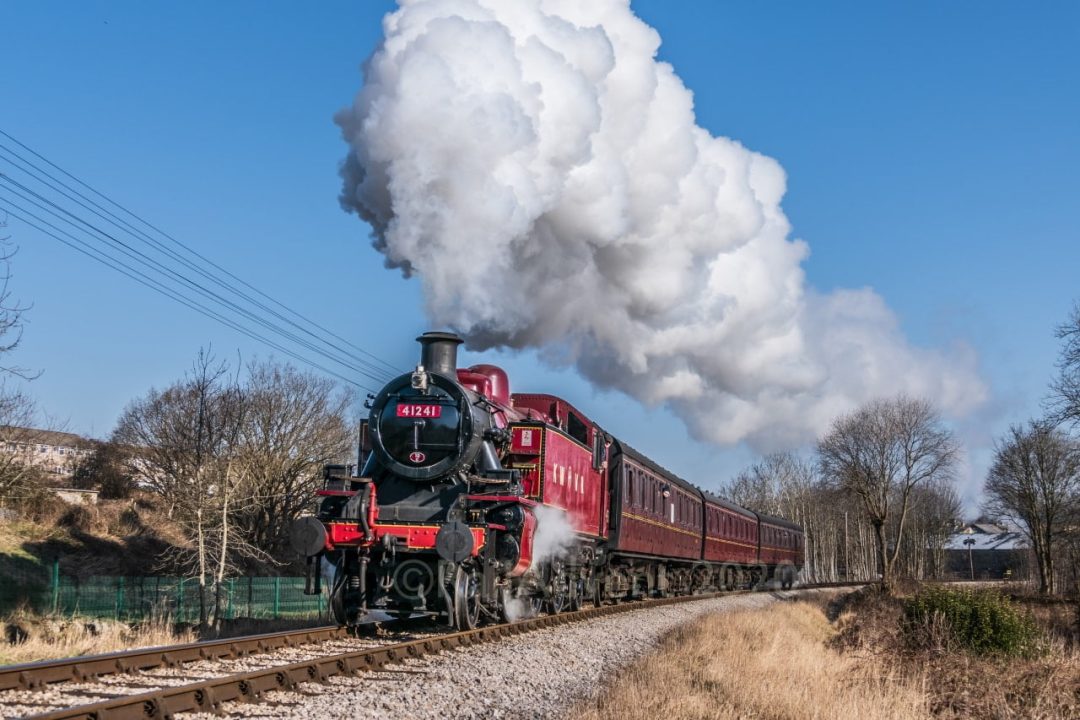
(771, 663)
(45, 638)
(962, 685)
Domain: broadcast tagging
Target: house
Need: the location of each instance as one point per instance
(57, 453)
(984, 551)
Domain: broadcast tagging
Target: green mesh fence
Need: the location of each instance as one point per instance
(47, 592)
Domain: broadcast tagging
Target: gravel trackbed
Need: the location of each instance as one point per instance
(542, 674)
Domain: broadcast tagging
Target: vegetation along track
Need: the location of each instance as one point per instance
(250, 685)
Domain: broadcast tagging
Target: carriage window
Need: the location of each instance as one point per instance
(577, 429)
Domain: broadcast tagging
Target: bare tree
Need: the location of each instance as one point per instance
(17, 408)
(18, 476)
(182, 445)
(1035, 483)
(880, 454)
(11, 310)
(294, 423)
(934, 516)
(839, 543)
(778, 485)
(1065, 388)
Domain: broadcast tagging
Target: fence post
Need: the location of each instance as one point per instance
(277, 596)
(56, 585)
(120, 597)
(229, 607)
(180, 601)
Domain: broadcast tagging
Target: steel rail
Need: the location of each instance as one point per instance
(33, 676)
(208, 695)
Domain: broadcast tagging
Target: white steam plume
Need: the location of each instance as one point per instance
(554, 534)
(543, 175)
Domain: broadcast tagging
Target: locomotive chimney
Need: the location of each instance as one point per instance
(439, 352)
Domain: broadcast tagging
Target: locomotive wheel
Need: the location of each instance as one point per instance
(519, 607)
(560, 588)
(559, 599)
(466, 599)
(577, 595)
(342, 605)
(337, 608)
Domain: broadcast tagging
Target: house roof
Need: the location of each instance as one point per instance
(36, 436)
(1004, 540)
(986, 528)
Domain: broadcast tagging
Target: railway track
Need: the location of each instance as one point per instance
(34, 676)
(250, 685)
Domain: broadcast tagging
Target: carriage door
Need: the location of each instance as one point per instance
(599, 464)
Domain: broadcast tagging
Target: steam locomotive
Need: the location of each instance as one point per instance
(474, 504)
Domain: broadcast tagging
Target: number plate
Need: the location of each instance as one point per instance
(418, 410)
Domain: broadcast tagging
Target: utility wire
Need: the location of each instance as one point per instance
(332, 351)
(138, 234)
(48, 206)
(18, 212)
(180, 244)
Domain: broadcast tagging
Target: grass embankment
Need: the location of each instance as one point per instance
(773, 663)
(942, 655)
(45, 639)
(112, 538)
(977, 654)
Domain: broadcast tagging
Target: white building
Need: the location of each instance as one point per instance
(57, 453)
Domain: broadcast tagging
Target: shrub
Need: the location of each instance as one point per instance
(76, 517)
(981, 621)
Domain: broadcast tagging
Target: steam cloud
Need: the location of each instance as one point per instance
(554, 534)
(542, 174)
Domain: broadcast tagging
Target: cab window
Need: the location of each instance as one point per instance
(576, 429)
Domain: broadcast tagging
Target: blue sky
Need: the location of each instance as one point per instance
(931, 152)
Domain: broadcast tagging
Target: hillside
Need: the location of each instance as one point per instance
(114, 537)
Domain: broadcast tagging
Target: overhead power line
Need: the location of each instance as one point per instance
(95, 232)
(170, 268)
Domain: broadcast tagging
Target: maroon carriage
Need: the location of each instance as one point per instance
(731, 539)
(781, 548)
